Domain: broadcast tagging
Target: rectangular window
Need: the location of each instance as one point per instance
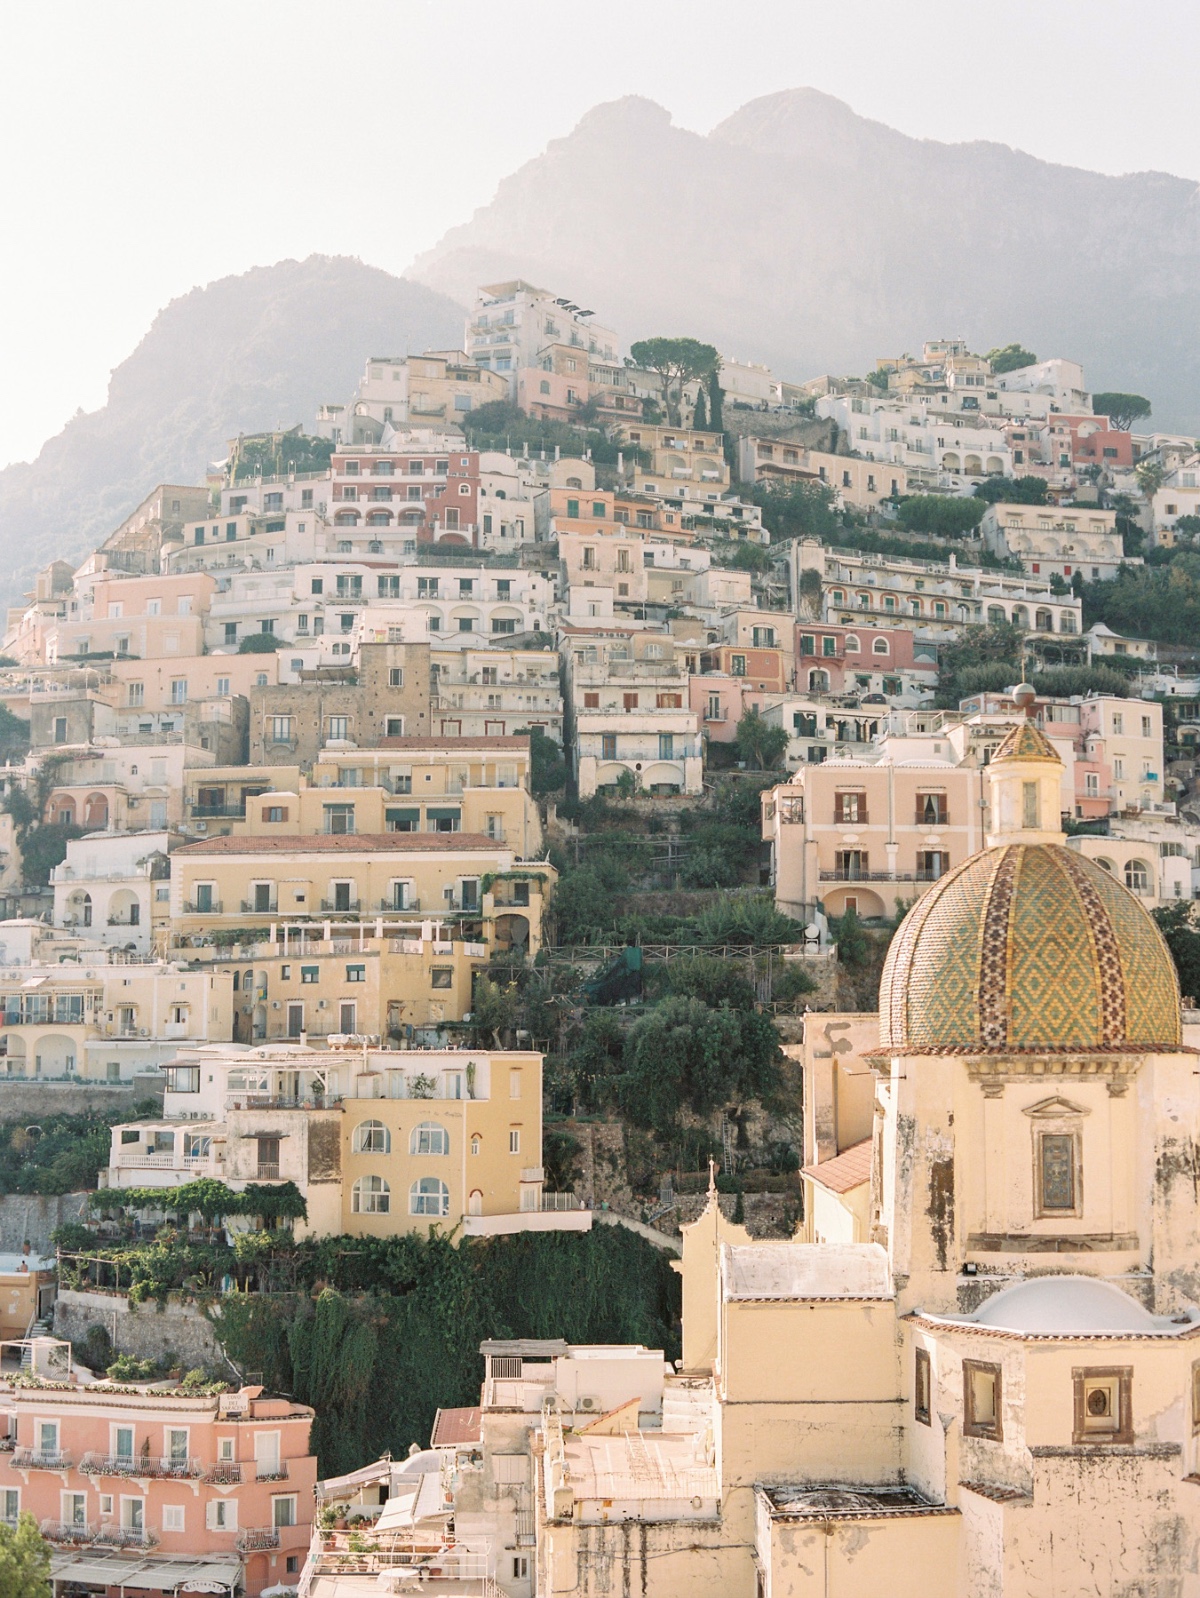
(396, 677)
(173, 1517)
(12, 1505)
(123, 1442)
(981, 1400)
(608, 746)
(850, 809)
(310, 973)
(737, 665)
(221, 1514)
(347, 1016)
(921, 1387)
(356, 973)
(337, 727)
(514, 1141)
(666, 746)
(281, 729)
(339, 819)
(283, 1511)
(441, 976)
(1103, 1404)
(1029, 804)
(1057, 1173)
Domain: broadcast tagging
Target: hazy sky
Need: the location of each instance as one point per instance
(150, 146)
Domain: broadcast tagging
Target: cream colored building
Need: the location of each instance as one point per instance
(1062, 540)
(234, 885)
(71, 1014)
(683, 463)
(414, 785)
(995, 1390)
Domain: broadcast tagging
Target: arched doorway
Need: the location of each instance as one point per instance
(95, 812)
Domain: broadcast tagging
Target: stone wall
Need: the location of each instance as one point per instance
(31, 1217)
(177, 1331)
(27, 1101)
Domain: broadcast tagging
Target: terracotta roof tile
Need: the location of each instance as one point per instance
(451, 1426)
(348, 843)
(848, 1169)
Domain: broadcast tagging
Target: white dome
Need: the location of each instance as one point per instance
(1065, 1304)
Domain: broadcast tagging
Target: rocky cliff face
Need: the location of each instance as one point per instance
(245, 353)
(801, 234)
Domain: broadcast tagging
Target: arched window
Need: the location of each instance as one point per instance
(475, 1202)
(852, 644)
(428, 1196)
(1137, 876)
(476, 1144)
(429, 1138)
(372, 1137)
(1106, 864)
(574, 482)
(87, 909)
(880, 646)
(371, 1196)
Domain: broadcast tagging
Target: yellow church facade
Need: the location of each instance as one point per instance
(985, 1381)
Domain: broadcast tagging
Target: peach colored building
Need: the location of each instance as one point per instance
(149, 1488)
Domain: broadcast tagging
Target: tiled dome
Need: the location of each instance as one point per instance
(1028, 948)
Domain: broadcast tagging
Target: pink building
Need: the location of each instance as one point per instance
(432, 492)
(834, 659)
(149, 1488)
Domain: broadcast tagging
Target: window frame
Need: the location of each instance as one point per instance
(1095, 1375)
(922, 1387)
(993, 1430)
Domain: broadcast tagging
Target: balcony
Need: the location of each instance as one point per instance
(940, 818)
(250, 908)
(390, 907)
(212, 908)
(217, 812)
(268, 1171)
(68, 1531)
(255, 1539)
(126, 1537)
(141, 1465)
(264, 1471)
(223, 1474)
(345, 908)
(38, 1459)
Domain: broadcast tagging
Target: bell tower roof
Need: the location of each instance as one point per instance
(1025, 783)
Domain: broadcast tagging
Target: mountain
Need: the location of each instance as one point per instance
(243, 354)
(801, 234)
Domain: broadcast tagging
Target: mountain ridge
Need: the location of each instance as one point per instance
(799, 233)
(246, 352)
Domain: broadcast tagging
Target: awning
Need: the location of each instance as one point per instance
(408, 1505)
(140, 1574)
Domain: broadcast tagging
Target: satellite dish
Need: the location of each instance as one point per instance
(812, 930)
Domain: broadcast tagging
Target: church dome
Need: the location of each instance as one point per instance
(1028, 948)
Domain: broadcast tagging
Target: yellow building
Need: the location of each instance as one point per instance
(234, 888)
(379, 1141)
(402, 981)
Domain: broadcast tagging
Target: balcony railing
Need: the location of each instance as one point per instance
(256, 1538)
(68, 1531)
(264, 1471)
(213, 908)
(126, 1537)
(39, 1459)
(268, 1171)
(348, 908)
(250, 908)
(940, 818)
(184, 1469)
(393, 908)
(217, 812)
(223, 1474)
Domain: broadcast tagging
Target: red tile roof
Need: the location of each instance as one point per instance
(348, 843)
(848, 1169)
(454, 1426)
(457, 745)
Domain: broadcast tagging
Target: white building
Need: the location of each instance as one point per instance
(114, 889)
(514, 322)
(1059, 540)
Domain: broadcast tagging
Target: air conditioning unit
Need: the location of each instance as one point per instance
(589, 1403)
(201, 826)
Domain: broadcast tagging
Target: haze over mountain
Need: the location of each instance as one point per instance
(801, 234)
(243, 354)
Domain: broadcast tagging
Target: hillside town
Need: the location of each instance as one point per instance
(743, 828)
